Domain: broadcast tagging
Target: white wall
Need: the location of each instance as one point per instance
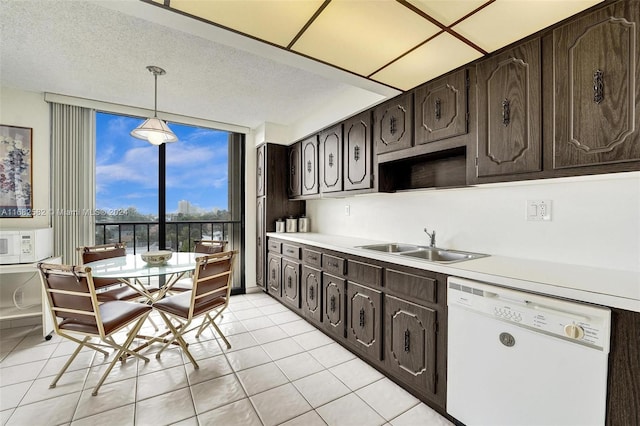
(595, 219)
(28, 109)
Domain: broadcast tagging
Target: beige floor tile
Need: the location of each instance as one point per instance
(70, 382)
(20, 373)
(227, 316)
(117, 416)
(261, 378)
(165, 409)
(120, 371)
(203, 350)
(300, 365)
(160, 382)
(246, 314)
(210, 368)
(331, 355)
(237, 413)
(321, 388)
(284, 317)
(247, 358)
(232, 328)
(169, 358)
(215, 393)
(273, 308)
(191, 421)
(313, 339)
(280, 404)
(419, 415)
(269, 334)
(5, 414)
(240, 306)
(310, 418)
(52, 366)
(349, 411)
(240, 341)
(110, 396)
(296, 327)
(356, 373)
(25, 356)
(54, 411)
(387, 398)
(11, 395)
(258, 323)
(282, 348)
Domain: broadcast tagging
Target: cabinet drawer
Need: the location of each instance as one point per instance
(333, 265)
(412, 287)
(291, 251)
(364, 273)
(312, 258)
(275, 246)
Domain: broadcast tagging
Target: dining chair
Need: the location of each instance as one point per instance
(201, 246)
(208, 298)
(76, 310)
(110, 288)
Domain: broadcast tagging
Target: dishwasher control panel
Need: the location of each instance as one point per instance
(572, 321)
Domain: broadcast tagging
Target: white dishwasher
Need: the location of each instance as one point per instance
(516, 358)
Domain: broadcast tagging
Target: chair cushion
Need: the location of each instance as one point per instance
(123, 293)
(114, 315)
(179, 304)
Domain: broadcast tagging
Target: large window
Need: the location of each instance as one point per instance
(181, 192)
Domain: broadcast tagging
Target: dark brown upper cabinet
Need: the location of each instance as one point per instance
(310, 166)
(509, 112)
(357, 152)
(260, 171)
(441, 108)
(331, 159)
(596, 91)
(295, 177)
(393, 124)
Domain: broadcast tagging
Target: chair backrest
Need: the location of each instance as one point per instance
(210, 246)
(72, 296)
(100, 252)
(212, 278)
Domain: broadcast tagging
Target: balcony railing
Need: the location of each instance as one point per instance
(180, 235)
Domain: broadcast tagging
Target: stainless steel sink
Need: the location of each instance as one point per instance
(430, 254)
(442, 256)
(392, 247)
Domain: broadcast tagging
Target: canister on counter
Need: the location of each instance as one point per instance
(303, 224)
(292, 224)
(280, 226)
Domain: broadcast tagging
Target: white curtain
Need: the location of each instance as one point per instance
(72, 179)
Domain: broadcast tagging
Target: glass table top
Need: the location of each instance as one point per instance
(132, 266)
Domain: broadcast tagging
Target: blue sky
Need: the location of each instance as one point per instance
(127, 168)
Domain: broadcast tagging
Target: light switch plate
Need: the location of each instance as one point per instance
(347, 210)
(538, 210)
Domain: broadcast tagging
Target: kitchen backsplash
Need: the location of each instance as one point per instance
(595, 220)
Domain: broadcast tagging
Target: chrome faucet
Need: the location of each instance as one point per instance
(432, 237)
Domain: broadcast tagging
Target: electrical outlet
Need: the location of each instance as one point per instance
(539, 210)
(347, 210)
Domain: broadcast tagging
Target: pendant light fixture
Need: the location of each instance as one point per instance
(154, 130)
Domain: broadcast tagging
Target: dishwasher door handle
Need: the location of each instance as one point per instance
(555, 311)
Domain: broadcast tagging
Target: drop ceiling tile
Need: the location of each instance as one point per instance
(506, 21)
(275, 21)
(434, 58)
(362, 36)
(447, 11)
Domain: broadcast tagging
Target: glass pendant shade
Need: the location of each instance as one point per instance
(154, 130)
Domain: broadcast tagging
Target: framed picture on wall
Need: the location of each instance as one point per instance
(16, 189)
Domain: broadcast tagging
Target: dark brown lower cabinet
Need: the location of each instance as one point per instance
(312, 293)
(291, 282)
(410, 343)
(333, 309)
(274, 263)
(364, 313)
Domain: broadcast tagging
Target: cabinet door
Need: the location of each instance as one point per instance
(441, 108)
(363, 319)
(260, 243)
(311, 293)
(291, 282)
(393, 124)
(260, 171)
(410, 343)
(274, 264)
(310, 166)
(509, 112)
(596, 90)
(295, 178)
(333, 299)
(357, 152)
(331, 159)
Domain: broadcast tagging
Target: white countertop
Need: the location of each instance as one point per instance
(608, 287)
